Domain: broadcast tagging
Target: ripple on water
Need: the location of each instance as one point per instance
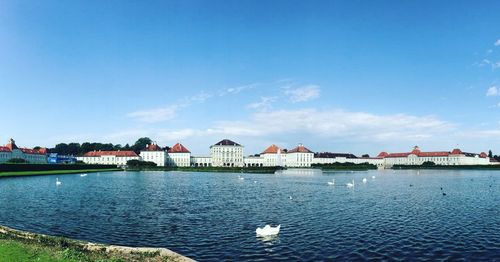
(212, 216)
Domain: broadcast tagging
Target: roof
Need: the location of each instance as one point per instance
(5, 149)
(273, 149)
(11, 144)
(111, 153)
(153, 147)
(178, 148)
(334, 155)
(41, 151)
(226, 142)
(416, 151)
(300, 149)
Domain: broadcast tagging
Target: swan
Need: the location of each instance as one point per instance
(82, 175)
(290, 197)
(364, 180)
(241, 178)
(58, 182)
(350, 184)
(268, 231)
(332, 183)
(373, 177)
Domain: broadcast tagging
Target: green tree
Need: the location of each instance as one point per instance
(17, 160)
(490, 154)
(141, 143)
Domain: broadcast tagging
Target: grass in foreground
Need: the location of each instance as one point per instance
(53, 172)
(17, 251)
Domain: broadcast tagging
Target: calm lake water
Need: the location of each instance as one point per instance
(399, 215)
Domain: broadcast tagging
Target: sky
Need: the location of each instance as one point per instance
(339, 76)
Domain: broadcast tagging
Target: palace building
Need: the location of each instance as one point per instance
(227, 153)
(118, 158)
(12, 151)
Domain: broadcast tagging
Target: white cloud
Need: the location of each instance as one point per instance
(492, 91)
(238, 89)
(264, 104)
(303, 93)
(155, 115)
(497, 43)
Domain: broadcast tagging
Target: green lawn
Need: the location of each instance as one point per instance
(54, 172)
(17, 251)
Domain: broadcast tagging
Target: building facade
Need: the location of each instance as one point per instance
(274, 156)
(227, 153)
(445, 158)
(118, 158)
(12, 151)
(299, 157)
(154, 153)
(179, 155)
(201, 161)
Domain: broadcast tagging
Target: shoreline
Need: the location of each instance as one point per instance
(55, 172)
(84, 249)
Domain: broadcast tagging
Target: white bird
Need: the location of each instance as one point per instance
(350, 184)
(332, 183)
(268, 231)
(290, 197)
(240, 177)
(255, 181)
(58, 182)
(364, 180)
(373, 177)
(82, 175)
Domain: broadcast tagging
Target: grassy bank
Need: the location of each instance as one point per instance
(19, 246)
(54, 172)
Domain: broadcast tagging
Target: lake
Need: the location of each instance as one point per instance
(400, 215)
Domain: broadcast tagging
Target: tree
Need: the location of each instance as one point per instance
(141, 143)
(134, 163)
(428, 163)
(365, 155)
(490, 154)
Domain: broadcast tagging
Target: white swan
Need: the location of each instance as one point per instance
(350, 184)
(82, 175)
(268, 231)
(332, 183)
(373, 177)
(241, 178)
(58, 182)
(364, 180)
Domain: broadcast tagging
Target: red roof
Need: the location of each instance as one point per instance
(11, 145)
(153, 147)
(273, 149)
(41, 151)
(383, 154)
(111, 153)
(5, 149)
(178, 148)
(300, 149)
(456, 151)
(483, 155)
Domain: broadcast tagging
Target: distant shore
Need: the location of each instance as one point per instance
(55, 172)
(16, 245)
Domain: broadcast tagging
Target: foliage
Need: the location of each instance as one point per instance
(428, 163)
(140, 164)
(77, 149)
(17, 161)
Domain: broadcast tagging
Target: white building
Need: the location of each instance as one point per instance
(201, 161)
(299, 157)
(154, 153)
(253, 161)
(179, 155)
(10, 151)
(227, 153)
(118, 158)
(274, 156)
(445, 158)
(332, 158)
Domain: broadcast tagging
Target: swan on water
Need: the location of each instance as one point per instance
(268, 231)
(58, 182)
(364, 180)
(240, 177)
(290, 197)
(373, 177)
(351, 184)
(332, 183)
(82, 175)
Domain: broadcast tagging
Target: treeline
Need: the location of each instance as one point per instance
(77, 149)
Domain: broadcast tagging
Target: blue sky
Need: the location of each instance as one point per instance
(342, 76)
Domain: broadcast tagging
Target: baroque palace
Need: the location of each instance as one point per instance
(227, 153)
